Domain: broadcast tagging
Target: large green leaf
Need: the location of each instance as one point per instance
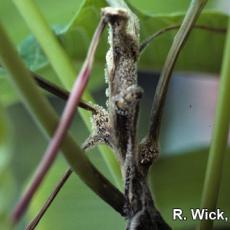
(179, 6)
(203, 51)
(76, 206)
(178, 183)
(195, 56)
(7, 185)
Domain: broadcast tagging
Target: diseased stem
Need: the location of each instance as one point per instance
(133, 20)
(148, 150)
(124, 96)
(40, 109)
(63, 67)
(63, 126)
(218, 146)
(191, 16)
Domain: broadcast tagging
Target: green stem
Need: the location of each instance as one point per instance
(47, 119)
(181, 37)
(55, 53)
(63, 67)
(162, 31)
(219, 139)
(63, 125)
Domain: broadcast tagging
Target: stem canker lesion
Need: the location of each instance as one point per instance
(116, 125)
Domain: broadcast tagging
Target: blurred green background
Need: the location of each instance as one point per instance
(176, 179)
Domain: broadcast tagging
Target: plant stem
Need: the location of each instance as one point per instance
(64, 95)
(65, 121)
(219, 139)
(64, 68)
(191, 16)
(55, 53)
(49, 201)
(148, 41)
(47, 119)
(59, 92)
(32, 225)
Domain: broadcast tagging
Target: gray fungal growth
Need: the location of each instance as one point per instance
(116, 125)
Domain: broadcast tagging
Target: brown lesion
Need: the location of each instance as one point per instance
(123, 107)
(122, 55)
(101, 128)
(122, 78)
(148, 152)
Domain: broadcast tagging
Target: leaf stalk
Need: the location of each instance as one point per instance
(219, 141)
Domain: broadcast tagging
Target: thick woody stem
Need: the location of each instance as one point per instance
(123, 92)
(123, 103)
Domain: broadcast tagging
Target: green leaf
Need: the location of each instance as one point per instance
(7, 195)
(32, 53)
(57, 12)
(5, 141)
(76, 207)
(197, 55)
(7, 183)
(179, 6)
(178, 183)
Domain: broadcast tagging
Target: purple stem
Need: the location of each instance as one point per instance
(63, 126)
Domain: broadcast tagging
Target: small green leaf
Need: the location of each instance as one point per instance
(76, 207)
(32, 53)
